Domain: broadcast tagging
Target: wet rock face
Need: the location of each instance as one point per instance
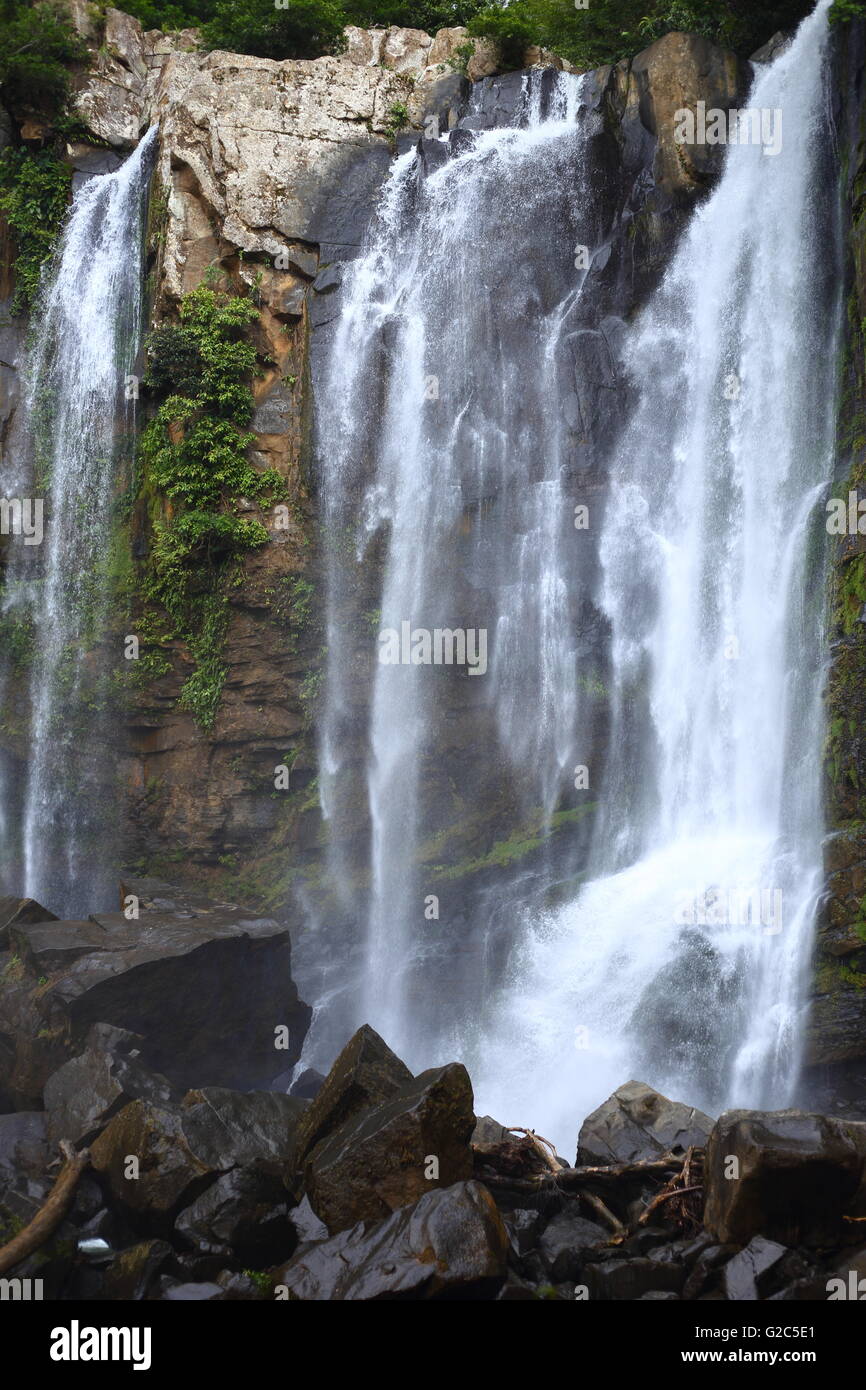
(286, 159)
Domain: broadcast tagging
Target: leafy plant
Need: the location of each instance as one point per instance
(844, 11)
(398, 118)
(34, 195)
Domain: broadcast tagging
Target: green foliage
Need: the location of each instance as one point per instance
(37, 44)
(195, 453)
(34, 195)
(170, 15)
(306, 29)
(303, 29)
(414, 14)
(612, 29)
(17, 635)
(844, 11)
(398, 118)
(195, 448)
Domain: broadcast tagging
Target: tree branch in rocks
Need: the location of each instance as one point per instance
(52, 1211)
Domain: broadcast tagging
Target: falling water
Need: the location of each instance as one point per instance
(684, 961)
(80, 402)
(441, 432)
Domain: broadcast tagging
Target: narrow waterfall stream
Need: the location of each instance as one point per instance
(683, 960)
(80, 402)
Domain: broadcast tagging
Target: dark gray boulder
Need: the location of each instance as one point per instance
(365, 1073)
(83, 1094)
(452, 1242)
(786, 1174)
(209, 990)
(181, 1150)
(564, 1242)
(747, 1271)
(19, 911)
(390, 1156)
(638, 1123)
(242, 1217)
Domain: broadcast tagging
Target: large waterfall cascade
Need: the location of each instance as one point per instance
(80, 403)
(683, 961)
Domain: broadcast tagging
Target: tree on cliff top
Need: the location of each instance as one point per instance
(608, 30)
(37, 44)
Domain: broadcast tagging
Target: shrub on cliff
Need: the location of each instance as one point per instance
(34, 195)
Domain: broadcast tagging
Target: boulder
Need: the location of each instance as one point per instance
(638, 1123)
(564, 1241)
(787, 1175)
(630, 1279)
(704, 1269)
(243, 1217)
(308, 1084)
(746, 1273)
(133, 1272)
(773, 48)
(672, 75)
(226, 972)
(452, 1242)
(181, 1150)
(15, 910)
(384, 1158)
(83, 1094)
(489, 1131)
(254, 1129)
(365, 1073)
(24, 1178)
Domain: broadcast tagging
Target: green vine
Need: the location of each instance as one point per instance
(194, 453)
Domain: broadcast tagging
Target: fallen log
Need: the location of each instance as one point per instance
(52, 1211)
(573, 1179)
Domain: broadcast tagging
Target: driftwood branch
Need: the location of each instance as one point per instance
(603, 1212)
(52, 1211)
(570, 1179)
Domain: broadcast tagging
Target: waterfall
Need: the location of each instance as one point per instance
(684, 961)
(449, 493)
(80, 400)
(442, 450)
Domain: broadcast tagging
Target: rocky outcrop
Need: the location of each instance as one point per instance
(387, 1157)
(20, 911)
